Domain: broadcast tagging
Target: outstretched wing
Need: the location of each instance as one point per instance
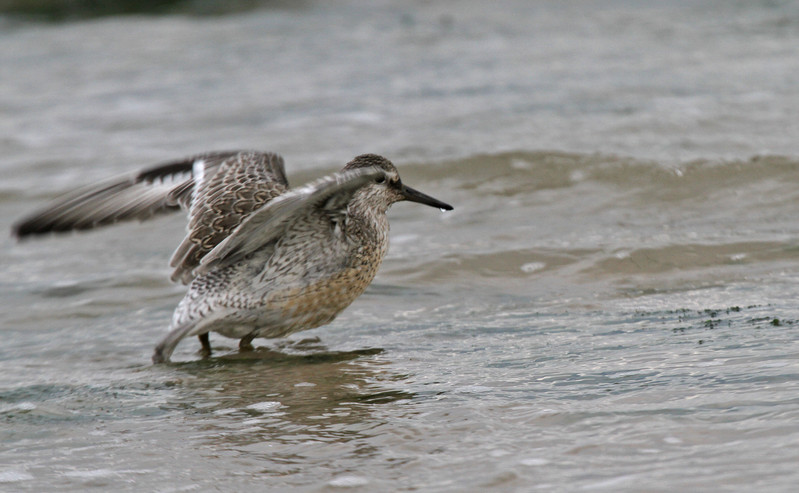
(331, 194)
(218, 190)
(224, 195)
(139, 196)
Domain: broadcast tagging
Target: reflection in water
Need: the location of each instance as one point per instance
(289, 411)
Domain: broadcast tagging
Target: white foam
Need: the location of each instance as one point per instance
(348, 482)
(533, 267)
(265, 406)
(14, 476)
(534, 461)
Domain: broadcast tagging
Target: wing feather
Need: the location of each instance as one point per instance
(138, 196)
(219, 190)
(96, 206)
(223, 198)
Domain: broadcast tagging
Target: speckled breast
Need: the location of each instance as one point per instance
(318, 303)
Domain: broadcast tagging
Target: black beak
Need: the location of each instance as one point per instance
(417, 196)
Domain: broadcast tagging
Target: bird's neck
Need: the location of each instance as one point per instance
(368, 227)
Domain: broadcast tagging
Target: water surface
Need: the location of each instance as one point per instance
(610, 307)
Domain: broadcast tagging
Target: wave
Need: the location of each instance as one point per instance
(511, 173)
(528, 221)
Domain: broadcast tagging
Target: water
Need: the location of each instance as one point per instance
(610, 307)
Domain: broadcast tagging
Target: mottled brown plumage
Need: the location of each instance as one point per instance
(261, 260)
(229, 192)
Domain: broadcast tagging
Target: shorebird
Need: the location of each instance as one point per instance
(260, 259)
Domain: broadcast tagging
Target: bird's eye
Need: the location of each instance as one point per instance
(382, 179)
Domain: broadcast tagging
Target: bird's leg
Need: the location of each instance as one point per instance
(245, 344)
(206, 343)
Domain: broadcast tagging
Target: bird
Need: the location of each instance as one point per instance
(260, 259)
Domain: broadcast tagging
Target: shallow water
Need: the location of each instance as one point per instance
(610, 307)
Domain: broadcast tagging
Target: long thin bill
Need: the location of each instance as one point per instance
(416, 196)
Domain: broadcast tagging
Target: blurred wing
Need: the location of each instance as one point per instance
(160, 189)
(224, 195)
(331, 194)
